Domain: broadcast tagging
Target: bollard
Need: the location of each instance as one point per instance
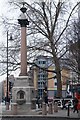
(7, 105)
(14, 108)
(55, 107)
(50, 109)
(44, 109)
(33, 104)
(68, 111)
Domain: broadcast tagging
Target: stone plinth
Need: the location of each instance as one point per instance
(22, 93)
(55, 107)
(50, 110)
(44, 109)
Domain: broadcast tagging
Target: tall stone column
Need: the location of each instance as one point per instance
(23, 23)
(23, 90)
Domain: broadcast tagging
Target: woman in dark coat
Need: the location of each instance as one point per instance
(75, 104)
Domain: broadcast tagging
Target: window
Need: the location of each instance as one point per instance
(44, 62)
(55, 83)
(39, 62)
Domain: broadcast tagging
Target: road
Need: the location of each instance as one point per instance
(37, 118)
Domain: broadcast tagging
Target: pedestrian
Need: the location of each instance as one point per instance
(75, 104)
(45, 95)
(37, 101)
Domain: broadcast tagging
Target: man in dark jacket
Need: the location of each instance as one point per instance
(45, 95)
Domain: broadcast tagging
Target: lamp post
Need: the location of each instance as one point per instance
(7, 90)
(7, 105)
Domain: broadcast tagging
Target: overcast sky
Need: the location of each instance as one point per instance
(4, 9)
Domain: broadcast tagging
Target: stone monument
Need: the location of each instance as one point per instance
(23, 91)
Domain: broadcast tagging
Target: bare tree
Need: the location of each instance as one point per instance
(49, 33)
(74, 48)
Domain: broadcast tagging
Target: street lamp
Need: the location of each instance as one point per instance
(7, 91)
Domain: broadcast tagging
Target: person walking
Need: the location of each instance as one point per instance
(63, 104)
(75, 104)
(45, 95)
(37, 101)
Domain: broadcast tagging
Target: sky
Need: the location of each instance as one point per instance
(3, 38)
(3, 11)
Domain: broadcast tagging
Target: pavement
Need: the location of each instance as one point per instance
(38, 112)
(63, 113)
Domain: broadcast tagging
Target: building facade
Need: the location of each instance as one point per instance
(43, 75)
(11, 80)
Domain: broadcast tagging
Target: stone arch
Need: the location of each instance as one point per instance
(21, 97)
(21, 94)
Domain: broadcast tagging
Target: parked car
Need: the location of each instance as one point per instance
(59, 102)
(66, 101)
(70, 103)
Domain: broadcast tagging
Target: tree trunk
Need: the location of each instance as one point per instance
(59, 83)
(58, 76)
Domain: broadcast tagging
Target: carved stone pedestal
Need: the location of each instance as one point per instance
(22, 93)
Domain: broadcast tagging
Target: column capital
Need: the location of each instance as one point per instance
(23, 22)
